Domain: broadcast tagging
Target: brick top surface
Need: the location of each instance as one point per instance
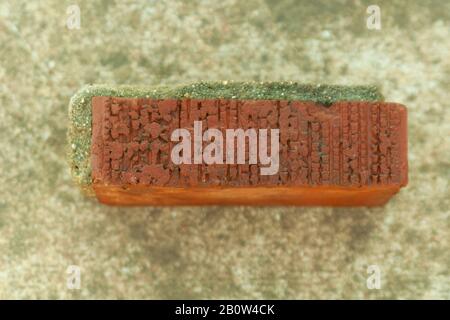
(349, 144)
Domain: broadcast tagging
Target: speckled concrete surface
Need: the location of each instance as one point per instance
(214, 252)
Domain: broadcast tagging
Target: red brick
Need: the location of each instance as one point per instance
(348, 154)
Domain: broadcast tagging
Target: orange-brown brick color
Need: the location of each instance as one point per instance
(347, 154)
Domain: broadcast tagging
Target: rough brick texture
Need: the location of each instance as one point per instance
(350, 153)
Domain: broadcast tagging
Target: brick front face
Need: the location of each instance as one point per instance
(353, 145)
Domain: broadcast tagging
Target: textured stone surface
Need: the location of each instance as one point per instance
(46, 224)
(79, 132)
(348, 144)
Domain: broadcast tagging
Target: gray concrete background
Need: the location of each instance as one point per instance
(216, 252)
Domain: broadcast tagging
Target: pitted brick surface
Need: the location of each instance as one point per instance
(348, 144)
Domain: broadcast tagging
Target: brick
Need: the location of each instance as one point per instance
(346, 154)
